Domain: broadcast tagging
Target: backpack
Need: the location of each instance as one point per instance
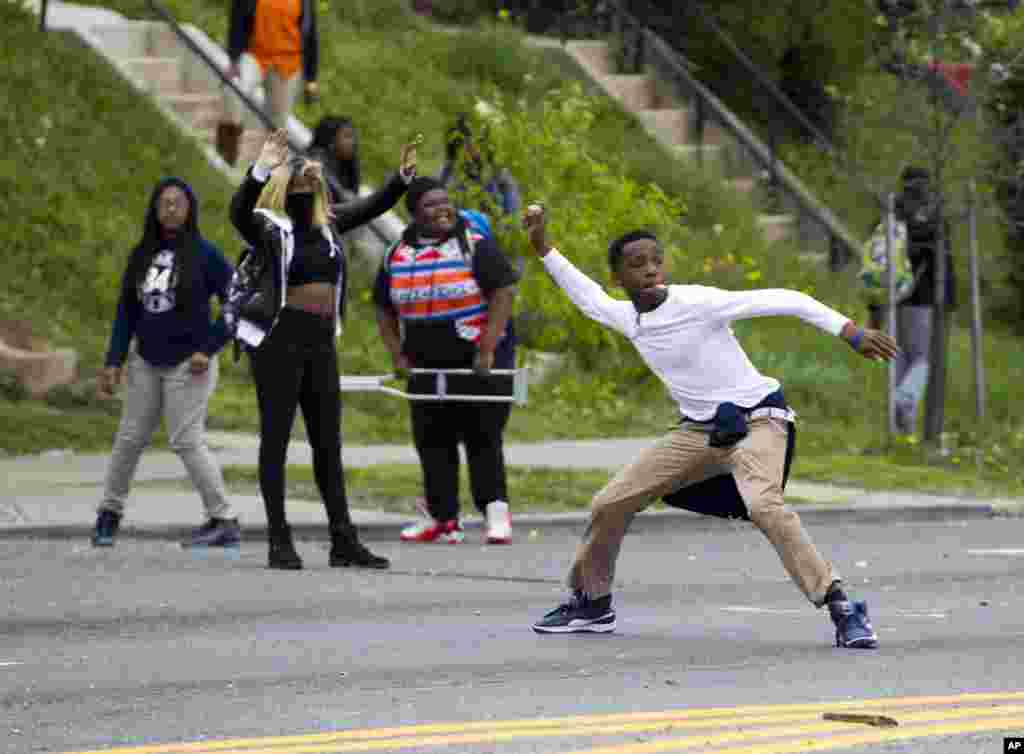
(252, 293)
(477, 221)
(874, 273)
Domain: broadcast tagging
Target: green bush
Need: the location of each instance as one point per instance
(11, 388)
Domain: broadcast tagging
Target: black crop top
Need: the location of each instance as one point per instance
(314, 263)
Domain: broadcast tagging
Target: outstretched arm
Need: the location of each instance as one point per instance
(729, 306)
(590, 297)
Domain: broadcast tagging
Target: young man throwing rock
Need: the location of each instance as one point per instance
(735, 431)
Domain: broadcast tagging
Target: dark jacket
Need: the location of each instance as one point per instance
(167, 309)
(344, 177)
(922, 243)
(270, 239)
(240, 31)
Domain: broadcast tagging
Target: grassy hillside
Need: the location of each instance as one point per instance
(79, 214)
(81, 156)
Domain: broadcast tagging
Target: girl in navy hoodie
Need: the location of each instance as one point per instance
(172, 369)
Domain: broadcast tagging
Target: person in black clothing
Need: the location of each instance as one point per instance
(450, 291)
(470, 171)
(290, 223)
(917, 207)
(336, 146)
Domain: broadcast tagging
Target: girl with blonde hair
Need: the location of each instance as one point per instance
(283, 210)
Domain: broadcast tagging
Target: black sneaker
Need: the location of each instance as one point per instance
(217, 532)
(576, 616)
(348, 551)
(107, 523)
(853, 628)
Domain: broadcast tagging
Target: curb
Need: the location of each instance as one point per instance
(383, 531)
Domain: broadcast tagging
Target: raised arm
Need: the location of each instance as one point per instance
(274, 153)
(586, 294)
(352, 214)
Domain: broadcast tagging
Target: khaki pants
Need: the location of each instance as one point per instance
(279, 92)
(683, 457)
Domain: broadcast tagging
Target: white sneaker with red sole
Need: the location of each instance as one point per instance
(429, 529)
(499, 523)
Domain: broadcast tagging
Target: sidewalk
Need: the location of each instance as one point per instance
(54, 495)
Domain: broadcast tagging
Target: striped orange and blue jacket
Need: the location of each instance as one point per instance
(435, 283)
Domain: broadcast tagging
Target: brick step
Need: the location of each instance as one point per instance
(159, 75)
(635, 92)
(592, 56)
(200, 110)
(745, 184)
(776, 227)
(138, 39)
(249, 147)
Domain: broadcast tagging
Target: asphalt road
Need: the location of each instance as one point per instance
(149, 645)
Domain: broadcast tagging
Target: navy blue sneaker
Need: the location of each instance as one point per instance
(853, 628)
(217, 532)
(577, 616)
(107, 523)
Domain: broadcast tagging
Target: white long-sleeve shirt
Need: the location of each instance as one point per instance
(688, 342)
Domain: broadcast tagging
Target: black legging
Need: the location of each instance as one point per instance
(297, 365)
(439, 427)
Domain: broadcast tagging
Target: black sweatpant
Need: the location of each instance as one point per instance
(297, 366)
(439, 427)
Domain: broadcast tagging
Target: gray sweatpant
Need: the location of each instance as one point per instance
(182, 399)
(914, 335)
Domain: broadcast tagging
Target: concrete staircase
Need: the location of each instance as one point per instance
(159, 65)
(671, 123)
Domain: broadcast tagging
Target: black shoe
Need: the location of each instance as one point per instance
(217, 532)
(281, 554)
(107, 523)
(347, 551)
(576, 616)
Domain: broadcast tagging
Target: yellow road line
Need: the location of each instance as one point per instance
(692, 741)
(551, 726)
(993, 719)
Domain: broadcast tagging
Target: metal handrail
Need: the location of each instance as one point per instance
(668, 61)
(265, 119)
(750, 67)
(250, 104)
(787, 105)
(254, 108)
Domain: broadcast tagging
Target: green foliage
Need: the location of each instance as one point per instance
(465, 11)
(374, 14)
(11, 388)
(833, 41)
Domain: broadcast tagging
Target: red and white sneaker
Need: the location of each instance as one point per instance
(499, 523)
(429, 529)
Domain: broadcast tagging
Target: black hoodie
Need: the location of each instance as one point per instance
(342, 175)
(166, 289)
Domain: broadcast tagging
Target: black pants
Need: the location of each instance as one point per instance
(297, 366)
(439, 427)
